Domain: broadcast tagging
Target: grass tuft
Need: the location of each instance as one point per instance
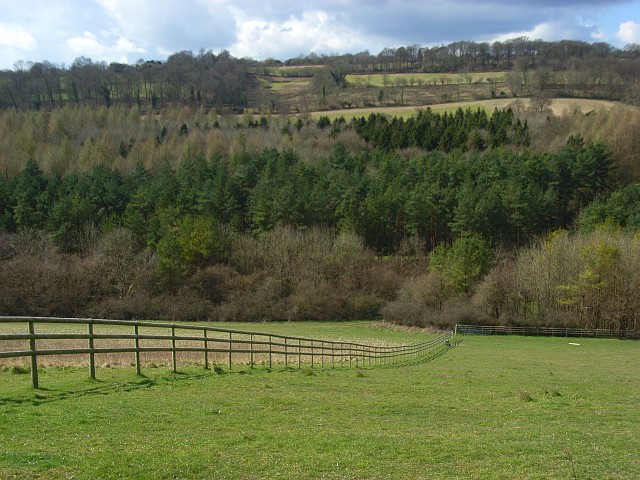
(552, 393)
(569, 456)
(17, 369)
(218, 369)
(525, 396)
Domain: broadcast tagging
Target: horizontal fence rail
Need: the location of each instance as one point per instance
(216, 345)
(544, 331)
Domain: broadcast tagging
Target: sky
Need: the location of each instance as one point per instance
(60, 31)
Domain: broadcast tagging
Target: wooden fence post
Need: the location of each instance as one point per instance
(230, 337)
(286, 354)
(173, 350)
(333, 355)
(251, 350)
(136, 332)
(34, 358)
(206, 350)
(270, 349)
(92, 355)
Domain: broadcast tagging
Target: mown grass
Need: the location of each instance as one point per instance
(558, 106)
(418, 79)
(493, 407)
(412, 111)
(285, 84)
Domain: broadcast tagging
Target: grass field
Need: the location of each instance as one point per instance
(416, 79)
(372, 333)
(559, 106)
(493, 407)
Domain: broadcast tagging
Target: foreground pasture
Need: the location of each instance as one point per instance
(493, 407)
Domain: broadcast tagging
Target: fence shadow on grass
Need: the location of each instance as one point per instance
(428, 358)
(144, 382)
(101, 387)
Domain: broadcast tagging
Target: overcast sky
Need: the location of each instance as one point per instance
(126, 30)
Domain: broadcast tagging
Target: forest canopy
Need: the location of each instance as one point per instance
(187, 189)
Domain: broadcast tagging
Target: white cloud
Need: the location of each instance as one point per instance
(14, 36)
(89, 45)
(599, 35)
(169, 26)
(629, 32)
(59, 30)
(313, 31)
(548, 31)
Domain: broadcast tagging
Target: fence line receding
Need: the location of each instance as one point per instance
(545, 331)
(213, 345)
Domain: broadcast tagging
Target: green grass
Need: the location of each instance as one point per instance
(287, 70)
(411, 111)
(559, 106)
(417, 79)
(285, 85)
(494, 407)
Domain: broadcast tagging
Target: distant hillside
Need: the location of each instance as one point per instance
(411, 75)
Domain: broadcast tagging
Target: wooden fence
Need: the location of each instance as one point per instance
(212, 343)
(544, 331)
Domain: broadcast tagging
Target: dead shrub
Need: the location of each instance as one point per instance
(57, 286)
(382, 279)
(32, 243)
(494, 295)
(142, 307)
(427, 288)
(247, 254)
(317, 301)
(7, 251)
(124, 266)
(366, 306)
(262, 301)
(458, 310)
(406, 312)
(215, 283)
(415, 314)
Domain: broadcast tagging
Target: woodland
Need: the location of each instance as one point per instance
(213, 188)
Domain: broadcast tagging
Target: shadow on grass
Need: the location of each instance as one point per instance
(97, 387)
(426, 359)
(44, 395)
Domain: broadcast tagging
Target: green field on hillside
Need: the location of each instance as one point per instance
(559, 106)
(417, 79)
(493, 407)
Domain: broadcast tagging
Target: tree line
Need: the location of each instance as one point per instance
(223, 82)
(464, 129)
(189, 215)
(478, 56)
(507, 196)
(433, 240)
(199, 80)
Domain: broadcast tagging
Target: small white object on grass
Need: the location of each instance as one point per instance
(571, 343)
